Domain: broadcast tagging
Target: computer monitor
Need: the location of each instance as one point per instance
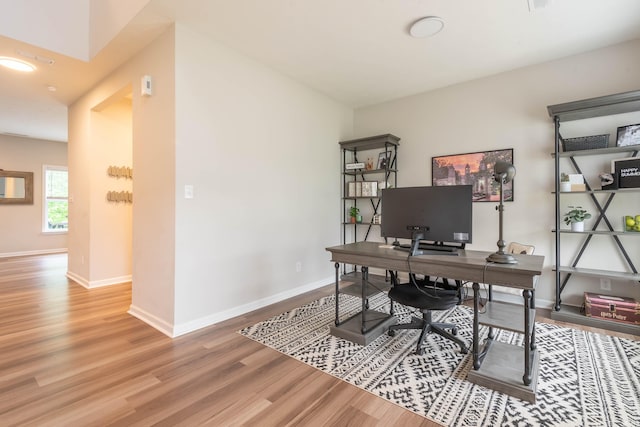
(439, 214)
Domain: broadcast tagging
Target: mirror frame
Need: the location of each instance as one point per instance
(28, 188)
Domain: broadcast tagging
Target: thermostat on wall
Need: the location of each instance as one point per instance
(147, 89)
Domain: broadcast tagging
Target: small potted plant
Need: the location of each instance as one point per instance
(354, 213)
(575, 217)
(565, 185)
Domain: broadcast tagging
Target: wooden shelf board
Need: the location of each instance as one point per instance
(596, 107)
(503, 368)
(600, 190)
(377, 284)
(377, 324)
(369, 171)
(361, 197)
(506, 316)
(601, 232)
(370, 142)
(621, 275)
(596, 151)
(568, 313)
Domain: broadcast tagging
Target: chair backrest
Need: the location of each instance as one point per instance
(519, 248)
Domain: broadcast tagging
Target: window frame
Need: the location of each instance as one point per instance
(45, 199)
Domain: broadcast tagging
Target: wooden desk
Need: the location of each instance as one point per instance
(500, 368)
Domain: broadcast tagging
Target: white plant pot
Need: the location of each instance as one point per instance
(577, 226)
(565, 186)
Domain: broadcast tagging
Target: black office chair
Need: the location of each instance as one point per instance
(426, 299)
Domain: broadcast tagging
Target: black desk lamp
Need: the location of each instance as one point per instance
(503, 172)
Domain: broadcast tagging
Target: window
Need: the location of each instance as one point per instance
(56, 198)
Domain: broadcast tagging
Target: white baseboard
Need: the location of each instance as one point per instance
(97, 283)
(151, 320)
(196, 324)
(78, 279)
(38, 252)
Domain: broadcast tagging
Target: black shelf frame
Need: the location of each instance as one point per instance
(578, 110)
(386, 142)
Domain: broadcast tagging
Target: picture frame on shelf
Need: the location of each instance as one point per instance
(475, 169)
(628, 135)
(383, 160)
(354, 189)
(369, 189)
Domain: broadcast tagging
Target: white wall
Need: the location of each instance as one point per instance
(111, 126)
(509, 111)
(100, 231)
(153, 185)
(21, 225)
(107, 18)
(261, 152)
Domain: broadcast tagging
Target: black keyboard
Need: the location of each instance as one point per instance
(430, 247)
(437, 252)
(438, 248)
(404, 248)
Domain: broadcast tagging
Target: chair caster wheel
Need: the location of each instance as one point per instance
(464, 350)
(391, 333)
(454, 331)
(419, 352)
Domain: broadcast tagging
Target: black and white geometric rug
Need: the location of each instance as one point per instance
(585, 379)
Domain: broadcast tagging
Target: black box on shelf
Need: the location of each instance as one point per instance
(627, 172)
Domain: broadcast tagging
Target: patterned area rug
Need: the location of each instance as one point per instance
(586, 379)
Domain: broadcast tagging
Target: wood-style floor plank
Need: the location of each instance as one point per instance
(72, 356)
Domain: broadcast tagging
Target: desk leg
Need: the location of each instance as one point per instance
(527, 338)
(337, 321)
(365, 279)
(490, 298)
(476, 361)
(533, 332)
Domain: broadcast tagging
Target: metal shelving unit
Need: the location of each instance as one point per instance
(357, 151)
(578, 110)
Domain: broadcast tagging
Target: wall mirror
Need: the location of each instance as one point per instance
(16, 188)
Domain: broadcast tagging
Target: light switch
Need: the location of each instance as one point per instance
(188, 191)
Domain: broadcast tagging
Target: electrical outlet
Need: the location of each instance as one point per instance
(298, 267)
(605, 284)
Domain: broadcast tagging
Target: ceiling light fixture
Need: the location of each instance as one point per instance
(16, 64)
(426, 27)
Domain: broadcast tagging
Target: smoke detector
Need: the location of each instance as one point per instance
(426, 27)
(538, 4)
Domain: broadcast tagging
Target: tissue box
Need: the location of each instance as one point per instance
(618, 309)
(577, 182)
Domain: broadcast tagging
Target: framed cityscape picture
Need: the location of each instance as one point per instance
(475, 169)
(628, 135)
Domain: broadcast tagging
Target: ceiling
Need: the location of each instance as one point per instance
(358, 52)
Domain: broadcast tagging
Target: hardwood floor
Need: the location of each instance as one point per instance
(72, 356)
